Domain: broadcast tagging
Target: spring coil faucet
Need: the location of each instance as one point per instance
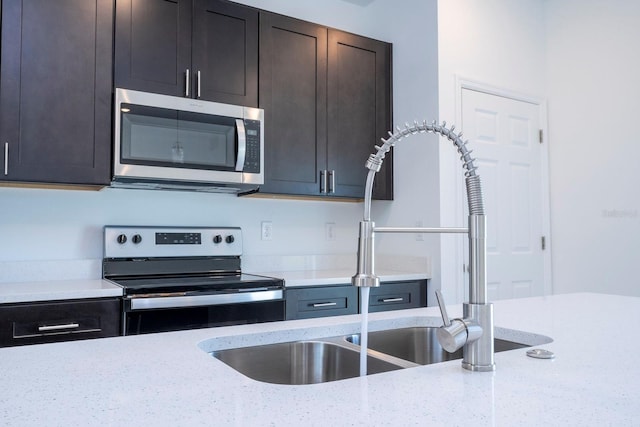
(474, 332)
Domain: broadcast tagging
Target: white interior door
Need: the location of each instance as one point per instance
(504, 135)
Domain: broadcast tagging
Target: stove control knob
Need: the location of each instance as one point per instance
(136, 238)
(217, 239)
(230, 238)
(122, 238)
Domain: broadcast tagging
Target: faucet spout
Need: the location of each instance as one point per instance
(474, 332)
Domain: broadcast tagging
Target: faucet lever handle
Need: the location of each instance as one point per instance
(443, 309)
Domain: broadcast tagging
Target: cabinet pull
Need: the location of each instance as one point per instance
(198, 83)
(6, 158)
(58, 327)
(332, 181)
(323, 181)
(324, 304)
(186, 83)
(392, 299)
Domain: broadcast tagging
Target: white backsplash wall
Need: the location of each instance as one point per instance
(66, 225)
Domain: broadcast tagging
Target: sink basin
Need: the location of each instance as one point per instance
(300, 362)
(419, 344)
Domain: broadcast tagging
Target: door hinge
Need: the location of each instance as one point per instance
(540, 136)
(543, 242)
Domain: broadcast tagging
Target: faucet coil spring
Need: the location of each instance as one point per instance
(472, 180)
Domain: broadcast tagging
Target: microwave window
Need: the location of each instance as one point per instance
(165, 137)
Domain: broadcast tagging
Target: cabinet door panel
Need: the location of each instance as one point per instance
(293, 95)
(359, 108)
(225, 52)
(56, 90)
(45, 322)
(153, 45)
(321, 301)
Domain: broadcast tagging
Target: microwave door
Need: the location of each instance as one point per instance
(242, 145)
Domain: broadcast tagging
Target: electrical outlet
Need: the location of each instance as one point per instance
(267, 230)
(330, 231)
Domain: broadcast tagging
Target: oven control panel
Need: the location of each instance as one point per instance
(148, 242)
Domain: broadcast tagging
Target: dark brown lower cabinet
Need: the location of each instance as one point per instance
(336, 300)
(54, 321)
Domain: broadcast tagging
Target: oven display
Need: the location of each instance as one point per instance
(178, 238)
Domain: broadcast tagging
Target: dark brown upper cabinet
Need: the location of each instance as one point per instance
(359, 112)
(206, 49)
(55, 91)
(327, 101)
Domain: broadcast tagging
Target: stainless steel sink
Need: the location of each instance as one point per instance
(419, 344)
(300, 362)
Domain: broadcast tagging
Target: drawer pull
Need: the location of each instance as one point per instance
(58, 327)
(324, 304)
(392, 299)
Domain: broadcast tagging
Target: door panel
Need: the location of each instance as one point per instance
(293, 94)
(55, 90)
(359, 111)
(503, 134)
(153, 45)
(225, 52)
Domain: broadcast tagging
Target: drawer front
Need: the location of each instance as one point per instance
(47, 322)
(398, 296)
(305, 303)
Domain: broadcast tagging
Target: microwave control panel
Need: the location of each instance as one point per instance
(252, 156)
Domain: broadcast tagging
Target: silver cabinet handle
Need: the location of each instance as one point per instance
(198, 84)
(332, 181)
(392, 299)
(186, 83)
(242, 144)
(6, 158)
(58, 327)
(323, 181)
(324, 304)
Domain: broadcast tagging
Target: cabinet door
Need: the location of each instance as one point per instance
(293, 94)
(398, 296)
(321, 301)
(225, 52)
(359, 111)
(55, 90)
(153, 45)
(45, 322)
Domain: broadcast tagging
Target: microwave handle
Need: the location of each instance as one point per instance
(242, 144)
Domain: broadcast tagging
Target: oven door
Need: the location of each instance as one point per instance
(159, 137)
(165, 313)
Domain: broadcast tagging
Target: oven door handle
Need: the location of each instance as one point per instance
(200, 300)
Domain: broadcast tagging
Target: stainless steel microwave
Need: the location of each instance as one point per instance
(168, 142)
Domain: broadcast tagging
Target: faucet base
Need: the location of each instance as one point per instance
(479, 368)
(478, 354)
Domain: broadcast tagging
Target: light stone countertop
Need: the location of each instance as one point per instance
(53, 290)
(168, 379)
(336, 276)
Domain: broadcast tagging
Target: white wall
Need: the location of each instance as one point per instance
(594, 100)
(65, 225)
(499, 43)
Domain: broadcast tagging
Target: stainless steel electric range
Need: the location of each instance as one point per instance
(177, 278)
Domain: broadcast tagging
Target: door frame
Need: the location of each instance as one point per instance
(478, 86)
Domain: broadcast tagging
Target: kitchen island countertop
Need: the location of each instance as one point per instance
(168, 378)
